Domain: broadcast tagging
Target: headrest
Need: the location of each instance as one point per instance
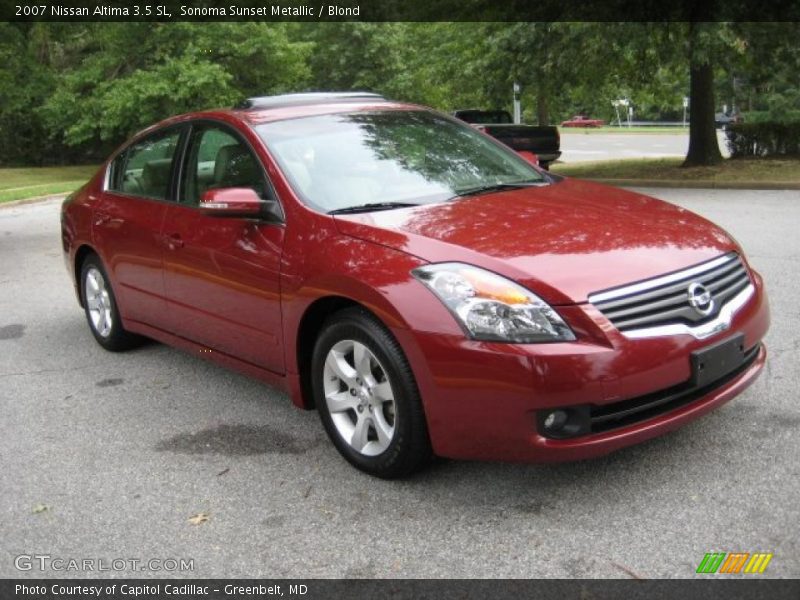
(235, 166)
(157, 171)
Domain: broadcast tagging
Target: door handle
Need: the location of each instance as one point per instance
(174, 241)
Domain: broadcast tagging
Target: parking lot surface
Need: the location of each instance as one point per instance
(109, 455)
(579, 146)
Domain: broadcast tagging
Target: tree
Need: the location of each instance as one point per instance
(71, 91)
(24, 84)
(763, 72)
(119, 77)
(703, 41)
(357, 56)
(523, 52)
(694, 47)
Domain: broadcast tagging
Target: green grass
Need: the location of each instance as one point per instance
(781, 170)
(32, 182)
(627, 130)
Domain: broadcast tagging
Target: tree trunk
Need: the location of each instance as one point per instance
(542, 110)
(703, 145)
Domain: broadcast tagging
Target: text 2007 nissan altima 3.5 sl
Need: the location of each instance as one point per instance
(425, 288)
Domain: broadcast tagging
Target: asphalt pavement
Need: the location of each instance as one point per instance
(108, 456)
(580, 146)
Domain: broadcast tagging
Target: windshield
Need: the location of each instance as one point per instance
(378, 158)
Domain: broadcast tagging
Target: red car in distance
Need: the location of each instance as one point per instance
(424, 288)
(581, 121)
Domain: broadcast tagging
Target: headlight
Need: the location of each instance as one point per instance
(492, 308)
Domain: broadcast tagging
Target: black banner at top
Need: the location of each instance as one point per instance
(399, 10)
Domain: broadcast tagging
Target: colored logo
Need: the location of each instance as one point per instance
(734, 562)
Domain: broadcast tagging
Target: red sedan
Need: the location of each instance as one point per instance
(423, 287)
(581, 121)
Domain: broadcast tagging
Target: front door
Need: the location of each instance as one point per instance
(222, 274)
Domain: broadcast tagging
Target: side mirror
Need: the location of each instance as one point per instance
(237, 202)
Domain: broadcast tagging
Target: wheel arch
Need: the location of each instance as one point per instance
(337, 296)
(83, 251)
(308, 330)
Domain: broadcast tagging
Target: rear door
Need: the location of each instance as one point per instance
(222, 274)
(128, 218)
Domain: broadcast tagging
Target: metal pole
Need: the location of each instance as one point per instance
(517, 107)
(685, 106)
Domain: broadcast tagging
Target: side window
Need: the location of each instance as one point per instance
(144, 168)
(218, 159)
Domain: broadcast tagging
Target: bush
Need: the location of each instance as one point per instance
(764, 139)
(766, 116)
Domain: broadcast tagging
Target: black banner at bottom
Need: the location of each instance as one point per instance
(438, 589)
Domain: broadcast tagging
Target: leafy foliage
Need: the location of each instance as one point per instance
(764, 139)
(24, 83)
(69, 92)
(97, 83)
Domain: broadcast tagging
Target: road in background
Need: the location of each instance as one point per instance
(578, 146)
(109, 455)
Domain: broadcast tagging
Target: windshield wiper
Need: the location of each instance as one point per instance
(498, 187)
(370, 207)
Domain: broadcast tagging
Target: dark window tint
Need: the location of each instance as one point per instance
(144, 168)
(218, 159)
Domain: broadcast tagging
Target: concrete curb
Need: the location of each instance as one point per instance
(689, 184)
(12, 203)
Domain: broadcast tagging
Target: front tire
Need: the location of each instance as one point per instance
(367, 397)
(100, 306)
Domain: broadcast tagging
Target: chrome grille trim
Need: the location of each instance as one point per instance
(720, 323)
(661, 306)
(659, 281)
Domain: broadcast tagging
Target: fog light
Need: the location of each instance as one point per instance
(555, 420)
(566, 422)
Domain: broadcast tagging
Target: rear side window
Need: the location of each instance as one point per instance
(145, 168)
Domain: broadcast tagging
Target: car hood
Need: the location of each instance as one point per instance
(563, 241)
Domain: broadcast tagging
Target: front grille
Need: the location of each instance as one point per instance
(665, 300)
(627, 412)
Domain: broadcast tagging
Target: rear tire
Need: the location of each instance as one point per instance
(100, 306)
(367, 396)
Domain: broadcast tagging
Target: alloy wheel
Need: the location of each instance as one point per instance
(359, 397)
(98, 302)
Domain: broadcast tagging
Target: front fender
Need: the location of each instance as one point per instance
(373, 276)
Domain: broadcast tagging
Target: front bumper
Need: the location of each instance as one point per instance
(483, 400)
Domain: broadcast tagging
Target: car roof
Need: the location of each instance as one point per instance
(307, 98)
(258, 115)
(266, 109)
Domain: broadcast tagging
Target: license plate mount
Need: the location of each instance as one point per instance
(716, 361)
